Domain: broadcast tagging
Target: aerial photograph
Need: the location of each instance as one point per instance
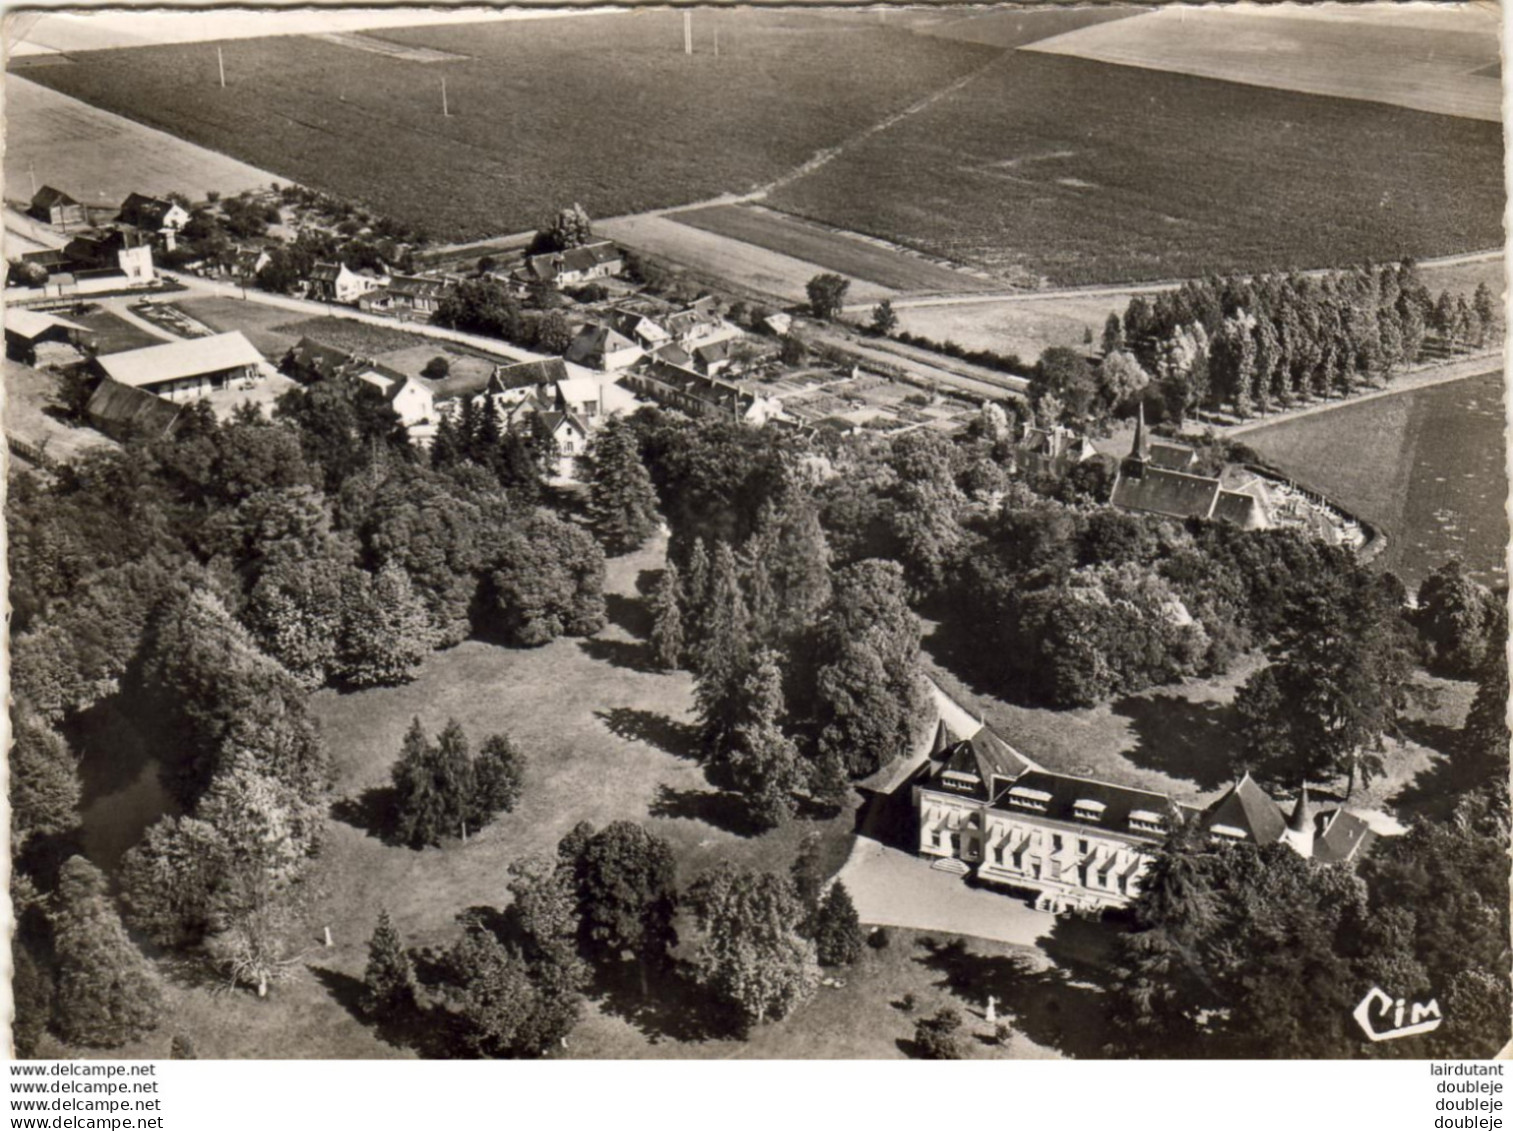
(926, 532)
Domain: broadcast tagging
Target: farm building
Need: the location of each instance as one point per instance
(56, 207)
(124, 412)
(1144, 487)
(600, 347)
(187, 369)
(29, 332)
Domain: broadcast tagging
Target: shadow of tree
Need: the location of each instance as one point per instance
(1051, 1006)
(1435, 791)
(674, 1008)
(887, 817)
(632, 655)
(372, 812)
(647, 581)
(719, 808)
(681, 740)
(629, 613)
(1184, 739)
(430, 1033)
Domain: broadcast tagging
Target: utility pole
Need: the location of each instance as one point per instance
(220, 62)
(716, 43)
(31, 170)
(445, 113)
(688, 33)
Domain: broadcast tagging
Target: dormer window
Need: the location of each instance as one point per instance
(1034, 800)
(1143, 820)
(1086, 810)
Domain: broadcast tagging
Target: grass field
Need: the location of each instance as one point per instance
(1009, 27)
(99, 157)
(1427, 466)
(605, 738)
(1435, 66)
(842, 252)
(716, 256)
(606, 110)
(1084, 172)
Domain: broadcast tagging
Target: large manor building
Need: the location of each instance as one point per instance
(1076, 843)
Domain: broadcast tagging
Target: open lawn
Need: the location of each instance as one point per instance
(110, 332)
(606, 110)
(1050, 167)
(605, 738)
(1426, 466)
(1365, 51)
(1053, 1005)
(99, 157)
(841, 252)
(263, 326)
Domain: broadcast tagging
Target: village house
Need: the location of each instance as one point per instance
(186, 369)
(56, 207)
(336, 282)
(1145, 486)
(162, 218)
(697, 323)
(309, 361)
(572, 267)
(641, 329)
(570, 435)
(247, 262)
(600, 347)
(126, 413)
(1052, 451)
(1076, 843)
(406, 296)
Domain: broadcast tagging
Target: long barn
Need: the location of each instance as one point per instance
(187, 369)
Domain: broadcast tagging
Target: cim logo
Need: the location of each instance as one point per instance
(1386, 1019)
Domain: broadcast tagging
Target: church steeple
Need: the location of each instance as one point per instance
(1141, 450)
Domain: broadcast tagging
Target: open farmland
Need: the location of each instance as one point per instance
(1437, 64)
(1007, 27)
(735, 261)
(842, 252)
(99, 157)
(1075, 171)
(1427, 466)
(606, 110)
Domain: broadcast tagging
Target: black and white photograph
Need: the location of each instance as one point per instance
(776, 533)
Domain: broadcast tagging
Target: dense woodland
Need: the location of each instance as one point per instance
(197, 589)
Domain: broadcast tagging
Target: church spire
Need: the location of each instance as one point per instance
(1141, 449)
